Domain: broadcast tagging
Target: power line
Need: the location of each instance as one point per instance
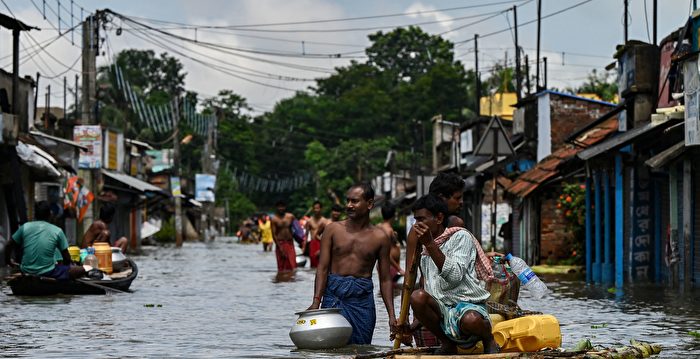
(528, 22)
(192, 26)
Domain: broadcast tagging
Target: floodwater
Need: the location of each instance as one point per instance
(223, 299)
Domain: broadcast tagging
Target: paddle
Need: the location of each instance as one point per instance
(408, 284)
(100, 286)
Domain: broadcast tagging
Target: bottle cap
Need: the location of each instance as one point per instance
(509, 256)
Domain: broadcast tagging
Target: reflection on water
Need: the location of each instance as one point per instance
(224, 299)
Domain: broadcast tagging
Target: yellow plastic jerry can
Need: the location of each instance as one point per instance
(528, 334)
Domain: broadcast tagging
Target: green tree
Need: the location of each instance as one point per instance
(601, 84)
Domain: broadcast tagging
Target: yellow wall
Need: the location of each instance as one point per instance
(499, 105)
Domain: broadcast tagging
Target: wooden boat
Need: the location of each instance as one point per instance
(33, 285)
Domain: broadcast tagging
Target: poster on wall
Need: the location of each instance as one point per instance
(502, 212)
(642, 226)
(175, 186)
(90, 137)
(204, 187)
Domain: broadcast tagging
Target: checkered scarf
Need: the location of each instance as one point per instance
(483, 262)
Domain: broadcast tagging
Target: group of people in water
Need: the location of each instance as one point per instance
(449, 299)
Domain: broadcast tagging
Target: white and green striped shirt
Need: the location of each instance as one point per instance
(457, 282)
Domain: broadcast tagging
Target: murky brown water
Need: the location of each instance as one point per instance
(223, 299)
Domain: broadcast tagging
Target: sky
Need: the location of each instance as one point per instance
(268, 62)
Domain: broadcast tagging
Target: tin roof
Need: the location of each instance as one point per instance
(548, 167)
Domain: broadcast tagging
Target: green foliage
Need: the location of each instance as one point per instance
(572, 204)
(239, 205)
(604, 85)
(167, 231)
(694, 334)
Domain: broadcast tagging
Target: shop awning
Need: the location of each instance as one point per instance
(42, 135)
(132, 182)
(38, 159)
(666, 155)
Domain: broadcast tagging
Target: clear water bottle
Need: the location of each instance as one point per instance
(499, 271)
(91, 259)
(527, 277)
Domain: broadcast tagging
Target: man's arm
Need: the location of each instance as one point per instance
(9, 251)
(66, 257)
(426, 239)
(323, 267)
(386, 286)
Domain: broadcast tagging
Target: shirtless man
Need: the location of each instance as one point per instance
(282, 236)
(99, 230)
(312, 227)
(349, 250)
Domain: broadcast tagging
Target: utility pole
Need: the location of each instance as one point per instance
(539, 33)
(476, 75)
(65, 98)
(518, 79)
(654, 19)
(527, 74)
(176, 173)
(625, 19)
(91, 38)
(544, 64)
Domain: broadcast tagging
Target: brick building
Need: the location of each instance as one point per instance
(546, 120)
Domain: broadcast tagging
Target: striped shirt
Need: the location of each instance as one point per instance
(457, 282)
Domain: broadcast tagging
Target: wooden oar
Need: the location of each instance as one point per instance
(395, 352)
(100, 286)
(409, 282)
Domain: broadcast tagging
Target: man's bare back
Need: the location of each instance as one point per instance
(97, 232)
(355, 251)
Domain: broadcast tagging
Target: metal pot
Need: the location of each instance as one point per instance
(320, 329)
(118, 259)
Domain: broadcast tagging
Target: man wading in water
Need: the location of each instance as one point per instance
(349, 250)
(282, 235)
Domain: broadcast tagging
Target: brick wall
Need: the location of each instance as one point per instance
(570, 114)
(555, 238)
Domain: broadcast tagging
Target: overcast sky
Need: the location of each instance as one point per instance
(575, 41)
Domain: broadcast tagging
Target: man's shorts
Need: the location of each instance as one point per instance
(451, 317)
(59, 272)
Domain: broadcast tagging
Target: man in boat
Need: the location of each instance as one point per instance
(99, 230)
(349, 251)
(388, 213)
(449, 187)
(452, 302)
(282, 236)
(312, 228)
(39, 244)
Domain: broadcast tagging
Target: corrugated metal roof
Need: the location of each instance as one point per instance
(547, 168)
(132, 182)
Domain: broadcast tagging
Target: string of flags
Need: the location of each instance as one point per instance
(160, 118)
(252, 183)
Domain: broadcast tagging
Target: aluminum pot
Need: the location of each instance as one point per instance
(118, 259)
(320, 329)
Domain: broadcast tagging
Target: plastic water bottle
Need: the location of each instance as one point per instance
(527, 277)
(91, 259)
(498, 268)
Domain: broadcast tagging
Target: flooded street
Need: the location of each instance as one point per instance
(223, 299)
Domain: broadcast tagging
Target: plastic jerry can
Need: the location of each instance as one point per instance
(528, 334)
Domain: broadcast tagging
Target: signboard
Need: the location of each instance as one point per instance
(175, 186)
(90, 137)
(641, 226)
(113, 150)
(160, 160)
(691, 82)
(494, 133)
(204, 185)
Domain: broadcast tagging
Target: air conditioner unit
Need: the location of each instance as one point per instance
(10, 128)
